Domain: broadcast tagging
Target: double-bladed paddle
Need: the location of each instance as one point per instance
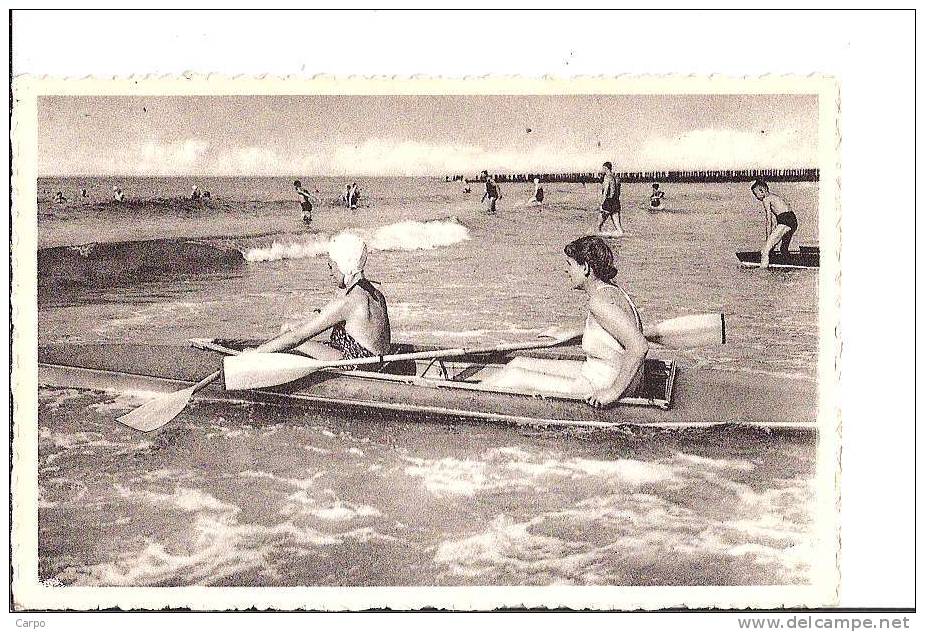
(274, 369)
(689, 332)
(261, 370)
(257, 370)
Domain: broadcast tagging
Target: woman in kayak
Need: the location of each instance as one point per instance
(357, 315)
(612, 337)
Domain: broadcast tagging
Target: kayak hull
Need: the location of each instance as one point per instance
(674, 398)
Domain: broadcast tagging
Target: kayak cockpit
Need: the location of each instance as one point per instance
(473, 373)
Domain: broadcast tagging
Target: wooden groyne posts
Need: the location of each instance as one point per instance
(695, 175)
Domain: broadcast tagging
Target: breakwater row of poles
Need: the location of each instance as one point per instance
(697, 175)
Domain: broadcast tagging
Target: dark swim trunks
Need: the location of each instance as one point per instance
(306, 211)
(788, 219)
(610, 206)
(348, 346)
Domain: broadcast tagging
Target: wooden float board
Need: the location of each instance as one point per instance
(805, 258)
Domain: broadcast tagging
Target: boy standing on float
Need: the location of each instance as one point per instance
(780, 221)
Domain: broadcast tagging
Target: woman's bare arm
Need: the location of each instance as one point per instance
(332, 313)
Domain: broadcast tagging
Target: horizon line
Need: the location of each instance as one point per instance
(423, 175)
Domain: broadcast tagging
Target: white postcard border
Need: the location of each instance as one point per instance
(29, 594)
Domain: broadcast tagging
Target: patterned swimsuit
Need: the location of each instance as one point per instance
(348, 346)
(345, 343)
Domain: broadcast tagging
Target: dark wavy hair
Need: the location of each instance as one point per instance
(595, 252)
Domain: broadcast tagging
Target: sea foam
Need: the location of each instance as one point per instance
(406, 236)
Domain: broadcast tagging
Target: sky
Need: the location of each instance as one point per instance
(415, 135)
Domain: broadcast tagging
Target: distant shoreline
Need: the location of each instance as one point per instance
(692, 175)
(804, 174)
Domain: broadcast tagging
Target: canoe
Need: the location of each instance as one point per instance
(804, 257)
(437, 389)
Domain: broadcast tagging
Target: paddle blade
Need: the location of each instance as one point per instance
(687, 332)
(158, 411)
(260, 370)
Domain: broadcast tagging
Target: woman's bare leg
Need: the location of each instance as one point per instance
(539, 375)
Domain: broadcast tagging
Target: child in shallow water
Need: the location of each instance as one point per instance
(655, 198)
(306, 199)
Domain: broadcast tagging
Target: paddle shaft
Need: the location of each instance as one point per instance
(201, 384)
(260, 370)
(439, 353)
(204, 382)
(672, 329)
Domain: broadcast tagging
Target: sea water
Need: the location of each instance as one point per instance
(244, 495)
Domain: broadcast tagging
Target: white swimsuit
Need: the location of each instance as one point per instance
(580, 378)
(605, 353)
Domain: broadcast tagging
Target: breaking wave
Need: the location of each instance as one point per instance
(114, 263)
(407, 236)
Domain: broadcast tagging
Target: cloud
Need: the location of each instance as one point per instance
(166, 158)
(375, 156)
(696, 149)
(152, 157)
(263, 161)
(251, 160)
(729, 149)
(407, 158)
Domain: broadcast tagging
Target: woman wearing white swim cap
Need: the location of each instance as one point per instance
(357, 315)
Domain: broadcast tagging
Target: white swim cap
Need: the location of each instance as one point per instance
(348, 252)
(115, 188)
(536, 180)
(195, 187)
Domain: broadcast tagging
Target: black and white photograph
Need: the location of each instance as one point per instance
(431, 347)
(342, 343)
